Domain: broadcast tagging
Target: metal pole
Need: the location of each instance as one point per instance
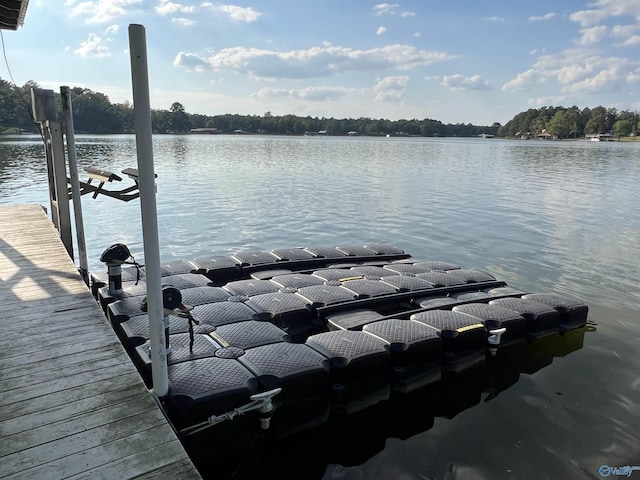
(75, 183)
(53, 134)
(144, 147)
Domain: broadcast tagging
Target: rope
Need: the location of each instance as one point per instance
(187, 313)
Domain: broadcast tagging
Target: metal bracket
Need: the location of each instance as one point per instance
(260, 402)
(104, 176)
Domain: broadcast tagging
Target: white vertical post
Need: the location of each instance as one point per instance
(75, 183)
(144, 147)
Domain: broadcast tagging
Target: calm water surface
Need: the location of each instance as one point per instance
(543, 216)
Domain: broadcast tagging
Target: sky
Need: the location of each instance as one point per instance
(457, 61)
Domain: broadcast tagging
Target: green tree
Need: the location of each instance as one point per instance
(597, 123)
(572, 118)
(8, 106)
(93, 112)
(539, 124)
(622, 128)
(560, 124)
(160, 121)
(179, 121)
(124, 112)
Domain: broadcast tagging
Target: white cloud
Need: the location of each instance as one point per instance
(190, 61)
(573, 73)
(578, 72)
(381, 31)
(605, 9)
(390, 89)
(462, 82)
(587, 18)
(627, 33)
(101, 11)
(315, 94)
(185, 22)
(593, 35)
(385, 8)
(633, 40)
(93, 46)
(312, 62)
(547, 16)
(416, 34)
(609, 74)
(166, 7)
(523, 81)
(391, 9)
(494, 19)
(242, 14)
(112, 29)
(623, 31)
(585, 70)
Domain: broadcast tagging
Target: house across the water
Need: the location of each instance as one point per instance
(600, 137)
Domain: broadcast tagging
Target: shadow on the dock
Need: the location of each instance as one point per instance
(30, 280)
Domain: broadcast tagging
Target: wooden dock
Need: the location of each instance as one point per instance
(72, 404)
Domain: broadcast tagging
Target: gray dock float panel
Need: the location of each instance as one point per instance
(72, 404)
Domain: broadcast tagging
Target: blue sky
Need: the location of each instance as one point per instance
(458, 61)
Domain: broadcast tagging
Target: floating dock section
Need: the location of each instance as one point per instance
(71, 404)
(322, 331)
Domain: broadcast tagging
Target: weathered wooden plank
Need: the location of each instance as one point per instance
(125, 430)
(170, 465)
(67, 324)
(60, 362)
(39, 344)
(178, 470)
(84, 461)
(40, 264)
(28, 392)
(38, 297)
(40, 320)
(55, 374)
(34, 317)
(27, 343)
(71, 402)
(55, 400)
(109, 415)
(51, 289)
(70, 409)
(98, 341)
(48, 294)
(34, 313)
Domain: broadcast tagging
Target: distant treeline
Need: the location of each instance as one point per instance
(572, 122)
(94, 113)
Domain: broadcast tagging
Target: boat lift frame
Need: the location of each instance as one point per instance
(66, 189)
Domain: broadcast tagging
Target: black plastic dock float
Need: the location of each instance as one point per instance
(309, 333)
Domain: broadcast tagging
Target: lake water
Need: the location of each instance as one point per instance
(542, 216)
